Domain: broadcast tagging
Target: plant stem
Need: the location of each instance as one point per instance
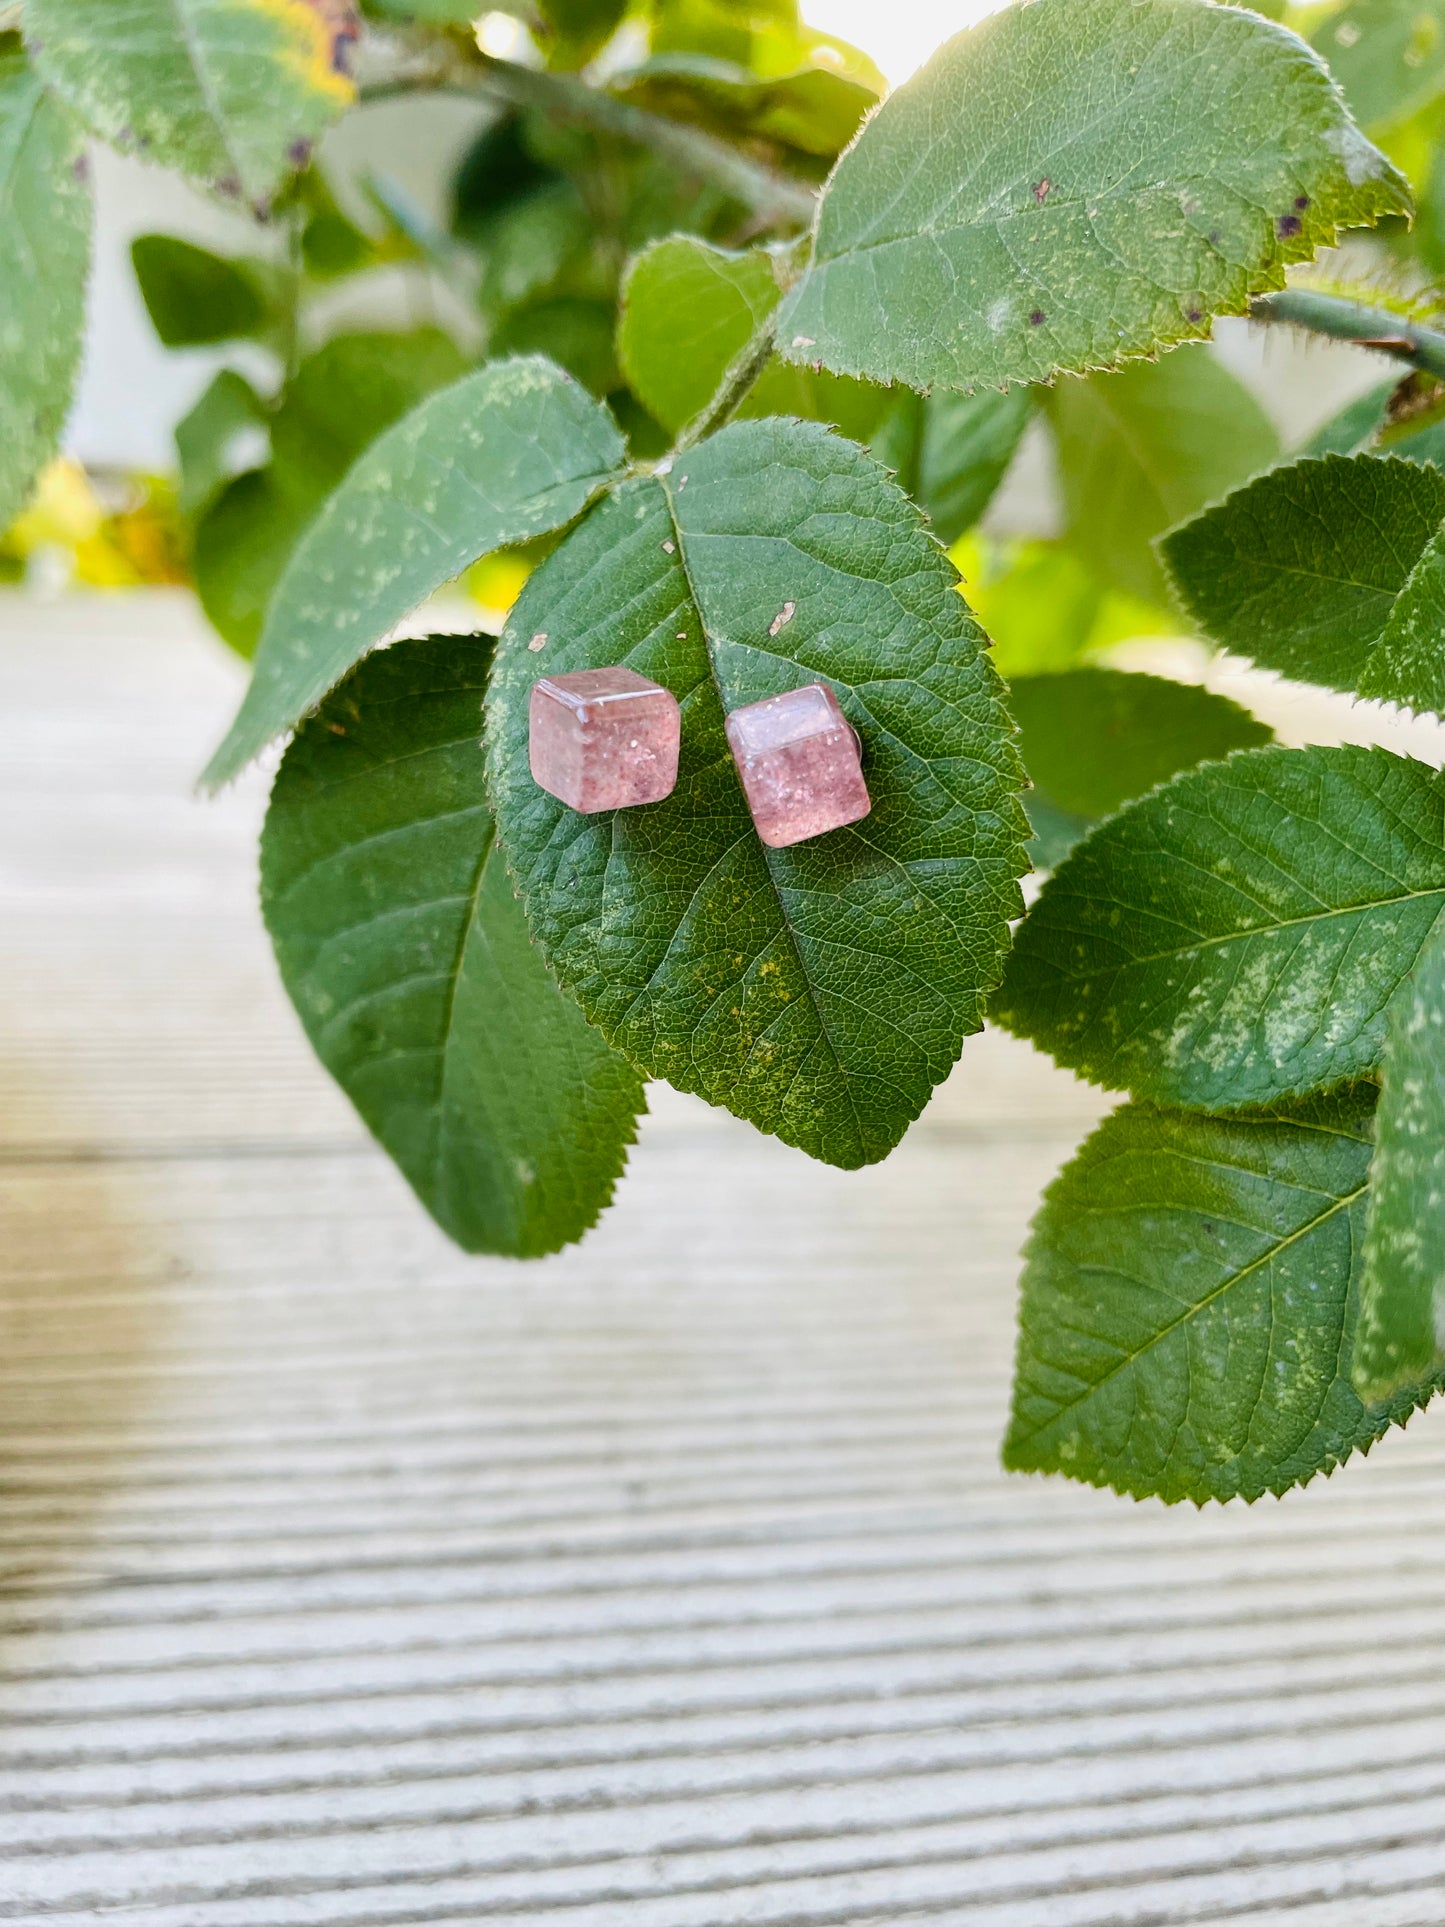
(1341, 319)
(741, 374)
(564, 97)
(294, 283)
(744, 369)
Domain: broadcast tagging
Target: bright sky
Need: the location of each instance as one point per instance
(899, 34)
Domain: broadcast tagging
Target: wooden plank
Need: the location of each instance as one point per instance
(672, 1582)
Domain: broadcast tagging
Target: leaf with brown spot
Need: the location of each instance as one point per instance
(1122, 169)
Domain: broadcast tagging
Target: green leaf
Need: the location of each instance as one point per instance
(504, 454)
(967, 445)
(459, 13)
(332, 245)
(216, 441)
(231, 92)
(1038, 601)
(688, 310)
(726, 29)
(647, 439)
(405, 952)
(1093, 739)
(1074, 183)
(581, 19)
(949, 451)
(578, 28)
(1236, 937)
(815, 107)
(1327, 571)
(1408, 666)
(1141, 449)
(242, 544)
(44, 258)
(343, 396)
(854, 408)
(1356, 425)
(498, 169)
(1429, 232)
(543, 243)
(577, 335)
(339, 401)
(194, 297)
(1189, 1303)
(1056, 832)
(1402, 1315)
(1388, 55)
(820, 991)
(1422, 445)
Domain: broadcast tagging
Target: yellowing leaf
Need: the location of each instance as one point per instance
(232, 92)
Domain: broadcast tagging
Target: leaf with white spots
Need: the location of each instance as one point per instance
(1402, 1321)
(45, 223)
(338, 401)
(512, 451)
(1237, 937)
(1190, 1297)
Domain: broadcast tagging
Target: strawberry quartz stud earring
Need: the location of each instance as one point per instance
(800, 763)
(603, 739)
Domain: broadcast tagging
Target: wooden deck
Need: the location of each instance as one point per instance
(670, 1583)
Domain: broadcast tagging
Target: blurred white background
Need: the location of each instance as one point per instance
(900, 34)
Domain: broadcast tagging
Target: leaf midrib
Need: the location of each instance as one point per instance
(9, 176)
(1258, 930)
(1130, 1359)
(11, 173)
(1275, 569)
(444, 1048)
(862, 1136)
(186, 32)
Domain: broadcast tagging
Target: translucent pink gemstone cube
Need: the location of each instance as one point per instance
(799, 760)
(604, 739)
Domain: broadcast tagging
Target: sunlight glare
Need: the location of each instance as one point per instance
(901, 35)
(501, 35)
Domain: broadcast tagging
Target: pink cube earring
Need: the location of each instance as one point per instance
(800, 763)
(604, 739)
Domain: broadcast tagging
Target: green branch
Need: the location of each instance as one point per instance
(736, 385)
(1341, 319)
(772, 196)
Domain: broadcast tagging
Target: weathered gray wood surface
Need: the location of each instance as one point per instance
(671, 1583)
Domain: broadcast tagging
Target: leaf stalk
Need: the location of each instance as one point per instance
(1341, 319)
(732, 390)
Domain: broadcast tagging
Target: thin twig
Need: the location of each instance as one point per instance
(1341, 319)
(565, 97)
